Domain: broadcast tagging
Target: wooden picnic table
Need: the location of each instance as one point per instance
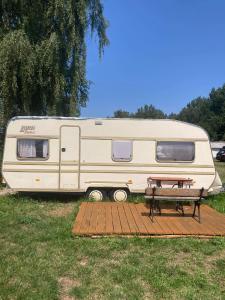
(179, 181)
(171, 193)
(178, 195)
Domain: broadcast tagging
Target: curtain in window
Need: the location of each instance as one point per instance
(26, 148)
(175, 151)
(45, 149)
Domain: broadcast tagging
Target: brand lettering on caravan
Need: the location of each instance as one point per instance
(27, 129)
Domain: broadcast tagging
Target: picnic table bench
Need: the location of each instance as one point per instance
(180, 194)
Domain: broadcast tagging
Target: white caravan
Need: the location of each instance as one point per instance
(99, 156)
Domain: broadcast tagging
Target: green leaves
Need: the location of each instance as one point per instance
(17, 65)
(144, 112)
(43, 55)
(209, 113)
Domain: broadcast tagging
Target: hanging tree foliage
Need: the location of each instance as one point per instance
(43, 55)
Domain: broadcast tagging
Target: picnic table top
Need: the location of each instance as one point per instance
(170, 179)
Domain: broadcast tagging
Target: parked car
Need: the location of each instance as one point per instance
(222, 157)
(221, 154)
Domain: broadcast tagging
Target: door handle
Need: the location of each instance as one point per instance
(63, 149)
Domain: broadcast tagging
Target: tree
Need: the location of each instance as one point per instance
(198, 112)
(145, 112)
(149, 112)
(207, 112)
(217, 106)
(121, 114)
(43, 55)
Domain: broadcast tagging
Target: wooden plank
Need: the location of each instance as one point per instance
(213, 221)
(79, 218)
(186, 223)
(172, 223)
(165, 222)
(159, 228)
(109, 221)
(189, 225)
(116, 220)
(123, 219)
(172, 199)
(194, 227)
(181, 220)
(175, 192)
(213, 211)
(130, 219)
(182, 225)
(93, 220)
(138, 219)
(100, 227)
(215, 215)
(86, 219)
(152, 227)
(207, 227)
(177, 226)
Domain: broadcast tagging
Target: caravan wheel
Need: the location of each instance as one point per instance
(96, 195)
(119, 195)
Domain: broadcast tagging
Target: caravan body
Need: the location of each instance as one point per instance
(76, 155)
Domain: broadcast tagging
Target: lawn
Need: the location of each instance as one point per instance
(40, 259)
(220, 166)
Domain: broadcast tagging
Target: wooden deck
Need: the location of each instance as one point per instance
(127, 219)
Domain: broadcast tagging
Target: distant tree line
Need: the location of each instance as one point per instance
(208, 113)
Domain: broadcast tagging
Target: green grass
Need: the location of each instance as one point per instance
(40, 259)
(217, 202)
(220, 166)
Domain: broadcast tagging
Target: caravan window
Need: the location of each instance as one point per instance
(32, 149)
(122, 150)
(175, 151)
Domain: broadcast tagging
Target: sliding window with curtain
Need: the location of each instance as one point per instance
(32, 149)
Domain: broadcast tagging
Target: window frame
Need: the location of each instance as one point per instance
(34, 158)
(122, 160)
(175, 161)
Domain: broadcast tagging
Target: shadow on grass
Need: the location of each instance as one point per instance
(52, 197)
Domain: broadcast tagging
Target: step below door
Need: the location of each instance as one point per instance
(69, 164)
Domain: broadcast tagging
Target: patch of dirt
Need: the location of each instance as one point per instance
(84, 261)
(66, 284)
(6, 192)
(147, 290)
(61, 211)
(211, 259)
(183, 260)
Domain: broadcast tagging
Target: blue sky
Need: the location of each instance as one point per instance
(162, 52)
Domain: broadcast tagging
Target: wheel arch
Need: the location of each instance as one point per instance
(108, 186)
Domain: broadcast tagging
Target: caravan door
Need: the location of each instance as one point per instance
(69, 158)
